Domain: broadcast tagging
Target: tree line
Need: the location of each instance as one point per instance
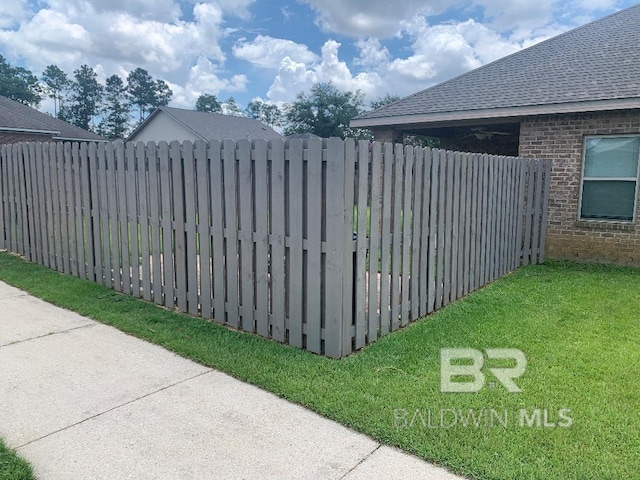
(113, 108)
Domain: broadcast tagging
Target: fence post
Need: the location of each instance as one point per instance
(335, 232)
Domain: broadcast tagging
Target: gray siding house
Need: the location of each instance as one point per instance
(574, 99)
(168, 124)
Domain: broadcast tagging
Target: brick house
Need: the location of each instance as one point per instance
(574, 99)
(20, 123)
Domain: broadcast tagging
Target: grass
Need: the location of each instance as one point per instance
(578, 326)
(13, 467)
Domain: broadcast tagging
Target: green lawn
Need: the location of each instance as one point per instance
(13, 467)
(578, 325)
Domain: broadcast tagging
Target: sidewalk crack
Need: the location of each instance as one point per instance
(48, 335)
(361, 461)
(113, 408)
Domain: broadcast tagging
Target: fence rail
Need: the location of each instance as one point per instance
(322, 244)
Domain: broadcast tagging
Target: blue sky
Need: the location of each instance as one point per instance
(274, 49)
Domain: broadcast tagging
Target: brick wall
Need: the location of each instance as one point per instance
(561, 138)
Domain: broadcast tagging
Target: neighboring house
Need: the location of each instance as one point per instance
(574, 99)
(20, 123)
(168, 124)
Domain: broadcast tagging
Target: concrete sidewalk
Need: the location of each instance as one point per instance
(81, 400)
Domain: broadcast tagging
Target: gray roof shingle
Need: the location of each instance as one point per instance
(215, 126)
(15, 116)
(595, 62)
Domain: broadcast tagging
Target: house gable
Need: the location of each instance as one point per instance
(161, 126)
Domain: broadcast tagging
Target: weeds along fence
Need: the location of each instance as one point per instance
(322, 244)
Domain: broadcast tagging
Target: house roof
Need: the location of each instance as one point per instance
(591, 68)
(215, 126)
(16, 117)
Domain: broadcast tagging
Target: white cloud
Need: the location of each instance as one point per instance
(371, 53)
(294, 77)
(376, 18)
(11, 12)
(204, 78)
(383, 18)
(444, 51)
(268, 52)
(116, 38)
(517, 14)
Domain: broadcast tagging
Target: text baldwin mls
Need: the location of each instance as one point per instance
(482, 418)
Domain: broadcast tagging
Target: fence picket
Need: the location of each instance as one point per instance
(416, 235)
(335, 227)
(4, 218)
(204, 234)
(467, 205)
(361, 222)
(191, 259)
(313, 212)
(295, 208)
(396, 259)
(407, 220)
(425, 235)
(78, 209)
(105, 220)
(440, 232)
(35, 241)
(245, 237)
(155, 226)
(375, 227)
(455, 226)
(132, 217)
(42, 161)
(165, 162)
(143, 219)
(385, 259)
(95, 239)
(114, 216)
(277, 220)
(179, 228)
(348, 283)
(217, 231)
(262, 242)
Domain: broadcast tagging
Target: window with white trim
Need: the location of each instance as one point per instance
(610, 178)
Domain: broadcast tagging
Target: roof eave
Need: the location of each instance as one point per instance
(493, 113)
(29, 130)
(76, 139)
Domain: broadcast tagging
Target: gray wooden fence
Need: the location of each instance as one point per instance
(322, 244)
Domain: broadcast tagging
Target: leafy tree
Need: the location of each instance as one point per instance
(86, 97)
(116, 110)
(382, 101)
(162, 94)
(326, 112)
(57, 85)
(208, 103)
(265, 112)
(230, 107)
(140, 87)
(145, 93)
(19, 84)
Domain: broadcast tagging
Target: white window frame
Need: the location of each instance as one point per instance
(616, 179)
